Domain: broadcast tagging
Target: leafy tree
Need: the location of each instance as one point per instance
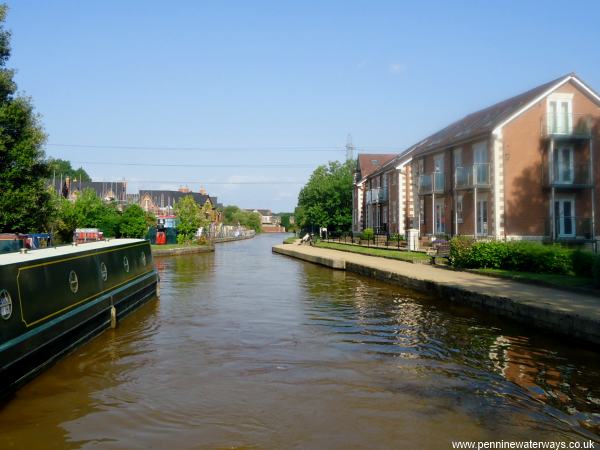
(87, 211)
(326, 200)
(232, 215)
(25, 203)
(191, 217)
(92, 212)
(62, 167)
(286, 221)
(133, 222)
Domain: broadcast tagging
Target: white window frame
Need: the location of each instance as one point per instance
(562, 198)
(559, 170)
(440, 206)
(484, 229)
(558, 98)
(459, 209)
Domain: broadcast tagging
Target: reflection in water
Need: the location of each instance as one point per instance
(249, 349)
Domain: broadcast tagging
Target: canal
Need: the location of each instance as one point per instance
(247, 349)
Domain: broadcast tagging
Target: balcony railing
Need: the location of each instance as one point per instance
(565, 125)
(570, 227)
(377, 195)
(578, 176)
(431, 183)
(468, 177)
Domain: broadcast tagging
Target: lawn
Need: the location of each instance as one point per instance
(290, 240)
(561, 281)
(371, 251)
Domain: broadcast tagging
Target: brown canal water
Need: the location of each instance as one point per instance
(247, 349)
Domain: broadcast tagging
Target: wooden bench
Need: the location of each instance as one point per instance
(439, 251)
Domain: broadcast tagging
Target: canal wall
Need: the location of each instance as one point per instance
(184, 250)
(232, 238)
(570, 314)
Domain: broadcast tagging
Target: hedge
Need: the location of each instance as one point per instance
(521, 256)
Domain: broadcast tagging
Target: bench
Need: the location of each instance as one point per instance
(439, 251)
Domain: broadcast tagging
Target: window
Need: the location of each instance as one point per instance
(422, 210)
(5, 304)
(560, 108)
(563, 165)
(457, 157)
(73, 282)
(384, 215)
(394, 212)
(459, 209)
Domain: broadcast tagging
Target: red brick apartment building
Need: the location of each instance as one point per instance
(525, 168)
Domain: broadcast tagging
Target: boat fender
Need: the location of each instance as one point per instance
(113, 317)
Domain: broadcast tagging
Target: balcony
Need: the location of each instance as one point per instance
(567, 126)
(475, 176)
(377, 195)
(432, 183)
(570, 228)
(575, 177)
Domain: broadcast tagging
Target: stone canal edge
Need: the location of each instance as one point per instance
(560, 312)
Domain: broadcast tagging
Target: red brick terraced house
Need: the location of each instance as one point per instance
(525, 168)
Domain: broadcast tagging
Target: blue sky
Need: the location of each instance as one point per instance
(244, 82)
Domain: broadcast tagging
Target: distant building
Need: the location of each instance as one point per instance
(270, 223)
(106, 190)
(162, 202)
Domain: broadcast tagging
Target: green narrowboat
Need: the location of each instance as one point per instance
(54, 299)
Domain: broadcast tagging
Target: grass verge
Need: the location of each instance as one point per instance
(290, 240)
(371, 251)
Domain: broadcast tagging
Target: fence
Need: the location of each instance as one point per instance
(378, 240)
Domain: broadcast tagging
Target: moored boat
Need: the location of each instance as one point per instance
(54, 299)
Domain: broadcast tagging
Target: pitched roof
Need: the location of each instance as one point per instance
(164, 198)
(370, 162)
(483, 121)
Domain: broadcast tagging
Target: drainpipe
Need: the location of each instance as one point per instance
(400, 204)
(552, 200)
(475, 210)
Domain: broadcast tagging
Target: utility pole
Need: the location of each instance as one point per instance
(349, 148)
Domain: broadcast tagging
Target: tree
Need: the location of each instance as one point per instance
(326, 200)
(233, 215)
(286, 221)
(25, 203)
(87, 211)
(60, 167)
(190, 217)
(133, 222)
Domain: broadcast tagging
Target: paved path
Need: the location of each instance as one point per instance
(574, 314)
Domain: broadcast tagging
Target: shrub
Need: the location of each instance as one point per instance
(583, 263)
(368, 234)
(488, 255)
(397, 237)
(518, 256)
(536, 257)
(460, 251)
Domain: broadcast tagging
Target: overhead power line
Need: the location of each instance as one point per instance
(200, 149)
(208, 183)
(107, 163)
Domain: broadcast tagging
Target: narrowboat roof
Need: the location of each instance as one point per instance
(33, 255)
